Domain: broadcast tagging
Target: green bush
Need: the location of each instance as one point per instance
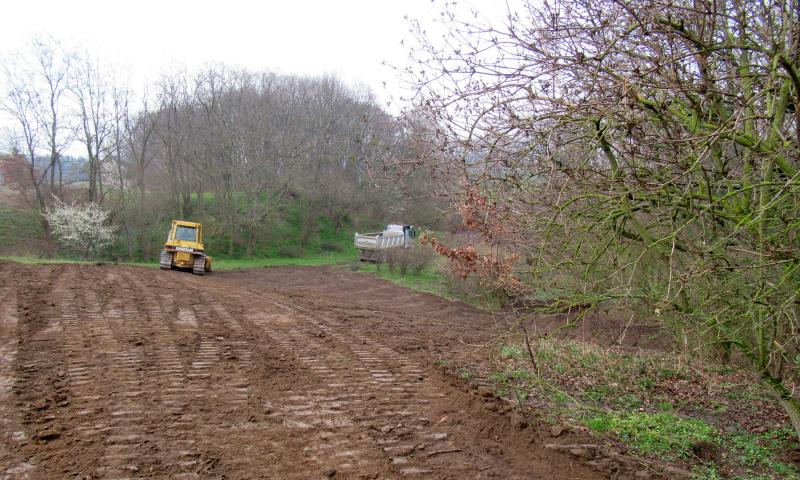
(291, 251)
(330, 247)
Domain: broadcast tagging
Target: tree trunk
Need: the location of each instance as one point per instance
(144, 243)
(231, 242)
(140, 181)
(789, 402)
(53, 173)
(60, 178)
(251, 240)
(92, 179)
(792, 407)
(128, 241)
(200, 200)
(100, 189)
(186, 202)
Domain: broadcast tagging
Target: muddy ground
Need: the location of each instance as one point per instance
(283, 373)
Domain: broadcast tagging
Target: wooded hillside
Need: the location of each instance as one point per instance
(274, 164)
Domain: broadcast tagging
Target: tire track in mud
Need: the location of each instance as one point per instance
(120, 369)
(480, 437)
(147, 374)
(319, 405)
(219, 382)
(155, 386)
(366, 385)
(12, 463)
(224, 388)
(371, 406)
(40, 390)
(241, 363)
(318, 434)
(161, 391)
(339, 287)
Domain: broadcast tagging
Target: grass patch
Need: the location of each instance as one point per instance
(224, 264)
(512, 382)
(466, 374)
(18, 227)
(70, 261)
(520, 374)
(40, 261)
(762, 449)
(331, 258)
(428, 281)
(510, 351)
(663, 406)
(663, 434)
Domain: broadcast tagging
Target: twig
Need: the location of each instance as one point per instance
(556, 446)
(621, 335)
(528, 345)
(450, 450)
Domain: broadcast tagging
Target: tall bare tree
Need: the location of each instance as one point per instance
(49, 70)
(93, 96)
(35, 84)
(21, 103)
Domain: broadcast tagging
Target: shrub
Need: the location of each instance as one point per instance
(330, 247)
(291, 251)
(415, 259)
(82, 229)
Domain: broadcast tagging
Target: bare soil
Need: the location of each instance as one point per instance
(286, 373)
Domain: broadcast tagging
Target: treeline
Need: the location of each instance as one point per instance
(266, 159)
(242, 147)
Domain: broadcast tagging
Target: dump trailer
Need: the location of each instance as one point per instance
(184, 248)
(372, 247)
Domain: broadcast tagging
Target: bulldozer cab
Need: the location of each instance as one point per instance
(186, 234)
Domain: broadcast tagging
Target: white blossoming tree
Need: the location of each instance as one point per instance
(81, 228)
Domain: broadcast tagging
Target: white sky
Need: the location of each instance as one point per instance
(350, 38)
(144, 38)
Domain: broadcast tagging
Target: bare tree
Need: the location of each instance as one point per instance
(93, 95)
(22, 103)
(642, 153)
(138, 132)
(174, 136)
(49, 70)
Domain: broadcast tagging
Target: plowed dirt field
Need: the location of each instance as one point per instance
(286, 373)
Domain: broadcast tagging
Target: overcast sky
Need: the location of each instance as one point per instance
(350, 38)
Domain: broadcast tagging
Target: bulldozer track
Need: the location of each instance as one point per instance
(125, 373)
(15, 466)
(389, 405)
(199, 266)
(165, 260)
(117, 416)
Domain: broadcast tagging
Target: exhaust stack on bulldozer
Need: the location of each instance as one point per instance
(184, 248)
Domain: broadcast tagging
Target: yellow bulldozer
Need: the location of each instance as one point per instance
(184, 248)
